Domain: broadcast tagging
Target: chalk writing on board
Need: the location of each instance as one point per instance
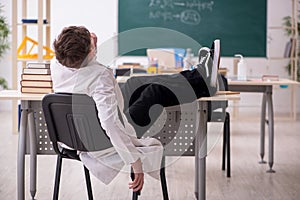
(195, 4)
(184, 11)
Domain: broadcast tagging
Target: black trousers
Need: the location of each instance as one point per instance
(145, 96)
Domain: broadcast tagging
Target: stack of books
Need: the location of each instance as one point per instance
(36, 78)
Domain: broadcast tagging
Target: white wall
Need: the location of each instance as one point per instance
(100, 16)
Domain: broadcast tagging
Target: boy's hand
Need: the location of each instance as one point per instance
(138, 182)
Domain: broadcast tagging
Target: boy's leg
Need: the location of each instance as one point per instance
(167, 90)
(186, 86)
(141, 108)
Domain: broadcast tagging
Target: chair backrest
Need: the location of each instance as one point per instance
(215, 105)
(72, 119)
(127, 71)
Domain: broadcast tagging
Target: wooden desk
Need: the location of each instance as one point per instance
(265, 87)
(28, 119)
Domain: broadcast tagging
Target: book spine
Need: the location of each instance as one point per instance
(38, 65)
(36, 90)
(36, 77)
(36, 71)
(42, 84)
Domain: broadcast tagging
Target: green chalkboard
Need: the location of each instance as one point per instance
(240, 25)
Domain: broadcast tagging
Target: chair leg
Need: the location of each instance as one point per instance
(88, 183)
(224, 145)
(134, 194)
(57, 177)
(163, 180)
(228, 143)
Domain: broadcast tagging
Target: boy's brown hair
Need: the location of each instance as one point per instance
(72, 46)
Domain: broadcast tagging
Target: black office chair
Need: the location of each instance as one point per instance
(72, 119)
(217, 113)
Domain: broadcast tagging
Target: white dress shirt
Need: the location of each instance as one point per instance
(98, 81)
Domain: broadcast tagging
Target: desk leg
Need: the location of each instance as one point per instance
(271, 130)
(293, 102)
(21, 154)
(33, 153)
(262, 129)
(196, 166)
(202, 176)
(201, 153)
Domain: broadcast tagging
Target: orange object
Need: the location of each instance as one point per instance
(28, 55)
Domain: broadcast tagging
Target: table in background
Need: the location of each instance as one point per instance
(265, 87)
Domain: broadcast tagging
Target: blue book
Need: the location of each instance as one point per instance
(33, 21)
